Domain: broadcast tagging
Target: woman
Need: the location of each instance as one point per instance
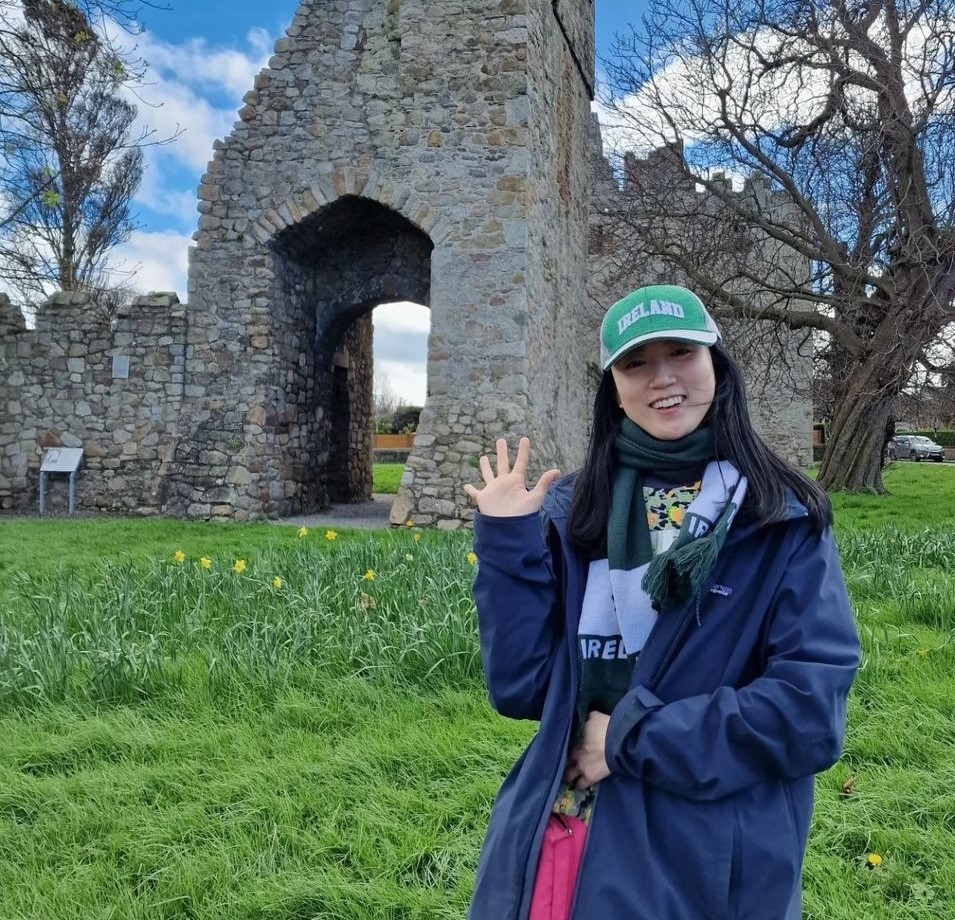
(676, 619)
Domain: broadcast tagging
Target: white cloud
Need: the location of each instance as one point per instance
(196, 63)
(195, 89)
(683, 100)
(160, 261)
(403, 316)
(407, 382)
(401, 349)
(156, 193)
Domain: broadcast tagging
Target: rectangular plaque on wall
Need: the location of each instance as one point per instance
(120, 367)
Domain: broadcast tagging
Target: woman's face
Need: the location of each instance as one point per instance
(665, 387)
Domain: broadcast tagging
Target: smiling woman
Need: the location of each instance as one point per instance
(665, 387)
(674, 616)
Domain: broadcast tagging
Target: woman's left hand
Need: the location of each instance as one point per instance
(587, 764)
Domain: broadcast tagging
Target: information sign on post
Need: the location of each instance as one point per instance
(60, 460)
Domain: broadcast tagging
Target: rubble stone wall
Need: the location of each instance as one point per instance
(59, 390)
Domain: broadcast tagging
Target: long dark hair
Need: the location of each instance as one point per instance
(767, 474)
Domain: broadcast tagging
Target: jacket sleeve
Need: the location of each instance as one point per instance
(788, 722)
(516, 593)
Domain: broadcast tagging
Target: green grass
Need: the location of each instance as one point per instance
(920, 494)
(334, 800)
(205, 744)
(387, 477)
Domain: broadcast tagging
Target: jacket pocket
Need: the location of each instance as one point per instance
(736, 863)
(791, 807)
(769, 852)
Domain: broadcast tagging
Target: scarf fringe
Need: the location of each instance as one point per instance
(677, 575)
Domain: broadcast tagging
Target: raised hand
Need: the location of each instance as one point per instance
(505, 494)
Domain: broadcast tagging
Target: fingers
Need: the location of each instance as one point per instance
(503, 463)
(571, 772)
(523, 455)
(544, 483)
(485, 466)
(471, 491)
(519, 471)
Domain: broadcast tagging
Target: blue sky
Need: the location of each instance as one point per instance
(203, 56)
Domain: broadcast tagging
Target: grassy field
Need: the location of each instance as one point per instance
(386, 477)
(309, 737)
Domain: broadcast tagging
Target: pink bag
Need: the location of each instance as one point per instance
(557, 868)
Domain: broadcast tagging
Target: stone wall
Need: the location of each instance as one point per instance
(432, 125)
(59, 389)
(559, 92)
(776, 362)
(440, 152)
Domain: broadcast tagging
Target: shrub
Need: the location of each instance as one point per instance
(944, 436)
(405, 420)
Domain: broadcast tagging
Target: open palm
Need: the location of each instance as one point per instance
(505, 494)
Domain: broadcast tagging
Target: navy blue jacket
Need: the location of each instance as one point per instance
(735, 703)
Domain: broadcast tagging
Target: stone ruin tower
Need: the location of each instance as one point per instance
(424, 150)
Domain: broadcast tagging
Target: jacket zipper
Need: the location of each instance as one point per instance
(675, 644)
(654, 679)
(554, 785)
(583, 853)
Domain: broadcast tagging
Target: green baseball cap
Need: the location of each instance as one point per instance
(660, 311)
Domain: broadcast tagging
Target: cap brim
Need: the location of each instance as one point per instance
(697, 338)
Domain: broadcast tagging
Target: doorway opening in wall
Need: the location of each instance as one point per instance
(399, 391)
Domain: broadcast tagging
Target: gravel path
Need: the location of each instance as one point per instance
(371, 515)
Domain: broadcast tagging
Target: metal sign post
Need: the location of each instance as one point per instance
(60, 460)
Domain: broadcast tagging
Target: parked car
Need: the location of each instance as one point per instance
(915, 447)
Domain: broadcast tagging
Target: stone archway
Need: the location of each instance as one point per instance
(331, 270)
(463, 157)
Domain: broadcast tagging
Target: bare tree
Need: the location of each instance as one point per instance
(73, 159)
(385, 402)
(836, 120)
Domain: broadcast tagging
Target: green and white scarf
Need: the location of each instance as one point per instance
(626, 592)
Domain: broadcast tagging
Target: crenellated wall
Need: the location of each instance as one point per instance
(776, 362)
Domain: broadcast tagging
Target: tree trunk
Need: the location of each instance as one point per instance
(853, 456)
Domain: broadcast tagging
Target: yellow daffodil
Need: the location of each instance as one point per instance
(179, 556)
(206, 563)
(471, 558)
(277, 583)
(330, 535)
(238, 566)
(873, 860)
(369, 575)
(416, 536)
(409, 523)
(302, 533)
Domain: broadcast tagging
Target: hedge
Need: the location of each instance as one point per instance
(944, 436)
